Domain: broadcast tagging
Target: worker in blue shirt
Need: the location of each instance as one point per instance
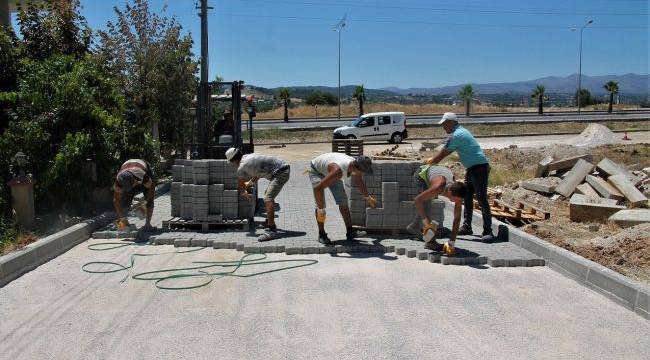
(477, 168)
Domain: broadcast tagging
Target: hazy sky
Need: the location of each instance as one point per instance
(410, 43)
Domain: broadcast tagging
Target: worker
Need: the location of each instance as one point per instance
(436, 180)
(477, 171)
(135, 176)
(252, 167)
(327, 171)
(225, 126)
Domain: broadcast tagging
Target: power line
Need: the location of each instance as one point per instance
(455, 10)
(515, 26)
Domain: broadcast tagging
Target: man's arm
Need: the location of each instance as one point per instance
(334, 174)
(458, 210)
(242, 188)
(117, 202)
(438, 156)
(357, 181)
(149, 196)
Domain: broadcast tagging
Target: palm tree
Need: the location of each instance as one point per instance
(540, 94)
(466, 93)
(285, 96)
(360, 95)
(612, 88)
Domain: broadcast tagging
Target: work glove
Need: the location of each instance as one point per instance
(122, 224)
(371, 201)
(449, 250)
(248, 184)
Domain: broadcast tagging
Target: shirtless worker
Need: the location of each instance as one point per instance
(135, 176)
(327, 171)
(436, 180)
(252, 167)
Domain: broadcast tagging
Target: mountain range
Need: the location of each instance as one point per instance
(628, 84)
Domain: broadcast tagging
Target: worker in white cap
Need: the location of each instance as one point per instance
(477, 172)
(252, 167)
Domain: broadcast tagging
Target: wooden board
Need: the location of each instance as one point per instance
(352, 147)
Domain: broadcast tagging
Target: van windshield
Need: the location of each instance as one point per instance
(357, 121)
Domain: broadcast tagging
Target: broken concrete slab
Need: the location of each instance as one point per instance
(583, 210)
(631, 193)
(592, 200)
(577, 175)
(567, 163)
(604, 188)
(586, 190)
(630, 217)
(541, 185)
(542, 166)
(609, 168)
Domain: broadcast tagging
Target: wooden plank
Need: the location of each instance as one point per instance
(631, 193)
(577, 175)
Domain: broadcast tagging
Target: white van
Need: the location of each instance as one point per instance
(387, 126)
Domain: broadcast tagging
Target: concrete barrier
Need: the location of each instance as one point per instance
(618, 288)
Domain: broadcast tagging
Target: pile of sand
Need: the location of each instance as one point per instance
(595, 135)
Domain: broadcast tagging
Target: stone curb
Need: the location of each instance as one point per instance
(616, 287)
(15, 264)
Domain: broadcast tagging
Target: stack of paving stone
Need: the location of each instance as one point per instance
(206, 190)
(394, 186)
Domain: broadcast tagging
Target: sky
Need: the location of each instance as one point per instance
(409, 43)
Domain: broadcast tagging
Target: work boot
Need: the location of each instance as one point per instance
(352, 234)
(323, 239)
(414, 230)
(270, 234)
(488, 238)
(465, 230)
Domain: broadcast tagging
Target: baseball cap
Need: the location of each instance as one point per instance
(448, 116)
(231, 153)
(364, 164)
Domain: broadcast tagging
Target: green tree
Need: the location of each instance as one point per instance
(539, 94)
(360, 95)
(285, 96)
(153, 64)
(612, 88)
(585, 98)
(53, 27)
(466, 94)
(316, 98)
(9, 57)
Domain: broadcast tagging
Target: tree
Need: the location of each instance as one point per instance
(153, 64)
(585, 97)
(360, 96)
(53, 27)
(9, 58)
(466, 93)
(321, 98)
(612, 88)
(540, 95)
(285, 96)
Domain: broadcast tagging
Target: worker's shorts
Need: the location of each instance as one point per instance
(277, 183)
(337, 188)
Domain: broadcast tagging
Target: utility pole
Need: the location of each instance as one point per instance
(580, 61)
(338, 28)
(203, 95)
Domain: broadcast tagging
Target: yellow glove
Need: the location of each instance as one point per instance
(449, 250)
(371, 201)
(248, 184)
(321, 215)
(122, 224)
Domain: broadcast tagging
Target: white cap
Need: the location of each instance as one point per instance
(448, 116)
(230, 153)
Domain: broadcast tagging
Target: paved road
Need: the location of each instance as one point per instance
(493, 118)
(345, 307)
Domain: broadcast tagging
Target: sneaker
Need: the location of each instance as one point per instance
(465, 230)
(269, 235)
(414, 230)
(487, 238)
(323, 239)
(433, 245)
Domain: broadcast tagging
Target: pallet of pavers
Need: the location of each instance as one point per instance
(204, 197)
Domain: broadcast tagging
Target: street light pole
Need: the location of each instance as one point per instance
(582, 28)
(338, 28)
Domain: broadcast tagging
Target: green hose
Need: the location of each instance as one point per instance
(193, 271)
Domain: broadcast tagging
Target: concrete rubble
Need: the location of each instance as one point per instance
(597, 191)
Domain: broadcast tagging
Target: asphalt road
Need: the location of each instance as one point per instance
(477, 119)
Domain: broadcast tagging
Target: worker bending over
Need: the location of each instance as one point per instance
(327, 171)
(477, 168)
(252, 167)
(436, 180)
(135, 176)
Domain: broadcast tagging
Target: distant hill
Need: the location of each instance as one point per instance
(303, 91)
(628, 84)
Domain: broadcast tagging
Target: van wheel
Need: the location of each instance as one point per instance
(351, 137)
(396, 138)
